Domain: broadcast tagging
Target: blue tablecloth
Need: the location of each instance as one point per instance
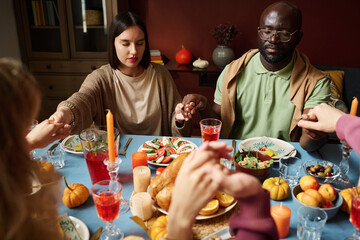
(76, 171)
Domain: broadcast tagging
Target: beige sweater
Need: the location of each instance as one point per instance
(97, 93)
(302, 82)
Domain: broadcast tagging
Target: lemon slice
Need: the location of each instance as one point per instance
(210, 208)
(225, 200)
(270, 152)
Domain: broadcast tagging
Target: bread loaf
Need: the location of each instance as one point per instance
(161, 186)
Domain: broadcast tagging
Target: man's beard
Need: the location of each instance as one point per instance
(279, 57)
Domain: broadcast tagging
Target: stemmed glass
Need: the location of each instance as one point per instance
(355, 214)
(113, 168)
(344, 164)
(107, 198)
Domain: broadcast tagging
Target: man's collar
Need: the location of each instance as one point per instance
(283, 73)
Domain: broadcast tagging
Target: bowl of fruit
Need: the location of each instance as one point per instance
(255, 163)
(323, 171)
(313, 195)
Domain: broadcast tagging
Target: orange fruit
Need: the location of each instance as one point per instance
(225, 200)
(210, 208)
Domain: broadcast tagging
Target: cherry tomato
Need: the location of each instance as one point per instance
(159, 170)
(166, 159)
(160, 152)
(173, 139)
(149, 158)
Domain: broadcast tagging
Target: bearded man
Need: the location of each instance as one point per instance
(265, 92)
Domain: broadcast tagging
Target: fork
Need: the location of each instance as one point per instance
(123, 152)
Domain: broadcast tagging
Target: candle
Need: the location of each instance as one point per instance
(281, 215)
(141, 178)
(139, 159)
(354, 106)
(110, 135)
(141, 205)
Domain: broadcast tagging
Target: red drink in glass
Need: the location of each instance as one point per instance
(97, 169)
(108, 206)
(210, 134)
(355, 213)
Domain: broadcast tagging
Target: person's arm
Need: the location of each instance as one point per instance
(310, 139)
(348, 129)
(45, 133)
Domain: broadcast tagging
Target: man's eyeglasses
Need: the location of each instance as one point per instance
(283, 36)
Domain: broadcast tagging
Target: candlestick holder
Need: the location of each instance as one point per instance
(113, 168)
(346, 151)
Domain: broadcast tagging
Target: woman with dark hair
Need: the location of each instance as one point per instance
(141, 95)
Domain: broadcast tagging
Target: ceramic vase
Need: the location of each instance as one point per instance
(222, 55)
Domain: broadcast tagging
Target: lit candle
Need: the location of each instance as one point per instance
(141, 205)
(139, 159)
(281, 215)
(141, 177)
(354, 106)
(110, 135)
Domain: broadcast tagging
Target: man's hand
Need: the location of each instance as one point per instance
(193, 103)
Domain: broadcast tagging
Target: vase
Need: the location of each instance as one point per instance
(222, 55)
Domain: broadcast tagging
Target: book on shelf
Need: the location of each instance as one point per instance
(155, 52)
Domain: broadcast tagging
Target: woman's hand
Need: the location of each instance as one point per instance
(193, 103)
(62, 115)
(45, 133)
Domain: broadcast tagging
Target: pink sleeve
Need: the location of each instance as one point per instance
(348, 129)
(254, 221)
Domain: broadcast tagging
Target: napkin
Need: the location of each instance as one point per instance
(68, 227)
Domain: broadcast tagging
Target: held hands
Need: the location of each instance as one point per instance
(191, 104)
(62, 115)
(45, 133)
(321, 118)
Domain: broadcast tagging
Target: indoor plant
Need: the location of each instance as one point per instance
(223, 34)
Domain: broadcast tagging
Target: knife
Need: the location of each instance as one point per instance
(55, 145)
(96, 234)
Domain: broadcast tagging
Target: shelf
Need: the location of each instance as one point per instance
(173, 66)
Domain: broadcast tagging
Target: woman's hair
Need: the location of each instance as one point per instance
(119, 23)
(21, 216)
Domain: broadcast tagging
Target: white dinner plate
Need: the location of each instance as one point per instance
(179, 149)
(71, 143)
(221, 211)
(81, 228)
(282, 148)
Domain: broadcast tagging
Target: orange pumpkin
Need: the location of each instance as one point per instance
(159, 228)
(347, 196)
(184, 56)
(75, 194)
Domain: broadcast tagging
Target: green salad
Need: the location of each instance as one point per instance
(250, 161)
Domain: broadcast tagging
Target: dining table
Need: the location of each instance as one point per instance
(75, 171)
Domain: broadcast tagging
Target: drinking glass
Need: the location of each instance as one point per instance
(107, 199)
(94, 143)
(311, 223)
(56, 157)
(210, 129)
(355, 214)
(290, 170)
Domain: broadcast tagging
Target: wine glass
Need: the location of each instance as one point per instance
(107, 199)
(344, 164)
(355, 213)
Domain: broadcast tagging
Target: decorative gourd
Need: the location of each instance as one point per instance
(199, 63)
(46, 167)
(158, 228)
(75, 194)
(183, 56)
(347, 195)
(279, 189)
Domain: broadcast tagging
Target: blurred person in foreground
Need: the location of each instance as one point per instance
(24, 214)
(265, 92)
(199, 178)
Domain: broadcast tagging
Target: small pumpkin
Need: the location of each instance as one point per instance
(159, 228)
(199, 63)
(75, 194)
(279, 189)
(347, 195)
(183, 56)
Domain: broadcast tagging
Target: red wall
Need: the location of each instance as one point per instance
(331, 31)
(331, 28)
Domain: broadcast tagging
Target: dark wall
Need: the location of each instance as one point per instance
(331, 28)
